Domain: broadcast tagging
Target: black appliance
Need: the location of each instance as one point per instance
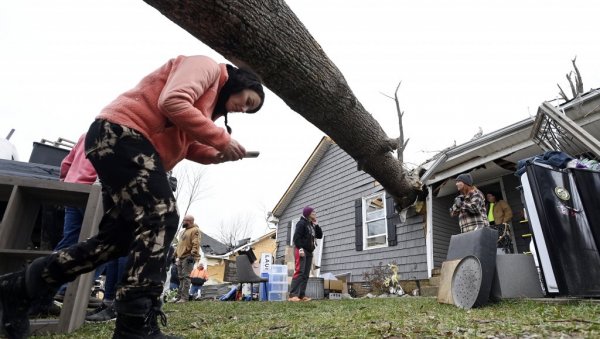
(565, 244)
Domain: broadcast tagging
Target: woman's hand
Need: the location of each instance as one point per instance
(234, 151)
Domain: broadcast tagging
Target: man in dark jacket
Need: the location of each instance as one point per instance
(307, 231)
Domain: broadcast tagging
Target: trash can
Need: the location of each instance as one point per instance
(315, 288)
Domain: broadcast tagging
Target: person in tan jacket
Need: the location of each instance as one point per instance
(186, 255)
(499, 215)
(498, 210)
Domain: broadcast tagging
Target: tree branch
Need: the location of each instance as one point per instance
(578, 79)
(267, 36)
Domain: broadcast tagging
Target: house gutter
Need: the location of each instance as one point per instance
(455, 151)
(433, 167)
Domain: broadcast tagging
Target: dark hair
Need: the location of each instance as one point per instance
(495, 194)
(239, 79)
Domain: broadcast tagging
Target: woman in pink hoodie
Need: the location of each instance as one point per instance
(136, 139)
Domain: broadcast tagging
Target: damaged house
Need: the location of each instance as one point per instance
(361, 227)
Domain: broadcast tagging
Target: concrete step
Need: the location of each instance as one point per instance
(434, 281)
(429, 291)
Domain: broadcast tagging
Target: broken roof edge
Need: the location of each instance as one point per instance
(500, 133)
(472, 144)
(476, 162)
(302, 175)
(579, 99)
(237, 249)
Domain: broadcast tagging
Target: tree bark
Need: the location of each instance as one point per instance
(266, 36)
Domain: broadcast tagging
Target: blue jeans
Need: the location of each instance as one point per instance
(114, 274)
(71, 227)
(71, 230)
(194, 291)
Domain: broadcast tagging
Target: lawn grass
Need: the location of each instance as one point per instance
(412, 317)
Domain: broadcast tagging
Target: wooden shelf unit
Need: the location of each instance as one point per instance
(24, 197)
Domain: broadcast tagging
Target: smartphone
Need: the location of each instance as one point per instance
(252, 154)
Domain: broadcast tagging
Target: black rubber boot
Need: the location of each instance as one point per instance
(157, 312)
(14, 305)
(17, 291)
(138, 318)
(44, 307)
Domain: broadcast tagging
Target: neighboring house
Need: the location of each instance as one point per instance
(361, 228)
(212, 249)
(220, 260)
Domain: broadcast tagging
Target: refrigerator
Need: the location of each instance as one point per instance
(560, 205)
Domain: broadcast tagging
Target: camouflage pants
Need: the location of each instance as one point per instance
(140, 214)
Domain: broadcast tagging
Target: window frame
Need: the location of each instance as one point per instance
(365, 229)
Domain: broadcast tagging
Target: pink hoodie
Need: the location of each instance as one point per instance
(173, 107)
(75, 167)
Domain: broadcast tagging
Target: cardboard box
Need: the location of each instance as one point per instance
(333, 285)
(344, 279)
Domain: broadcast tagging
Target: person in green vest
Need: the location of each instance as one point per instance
(498, 210)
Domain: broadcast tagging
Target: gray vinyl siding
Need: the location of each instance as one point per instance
(444, 227)
(332, 188)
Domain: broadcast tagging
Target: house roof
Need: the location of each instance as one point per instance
(211, 246)
(226, 254)
(496, 153)
(301, 177)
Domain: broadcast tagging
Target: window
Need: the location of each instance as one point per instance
(374, 221)
(292, 230)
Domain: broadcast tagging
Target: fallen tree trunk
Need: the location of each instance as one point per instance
(267, 36)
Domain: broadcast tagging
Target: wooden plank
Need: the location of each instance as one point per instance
(77, 294)
(50, 191)
(19, 219)
(43, 326)
(445, 288)
(30, 254)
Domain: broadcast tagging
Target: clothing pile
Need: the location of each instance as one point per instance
(559, 160)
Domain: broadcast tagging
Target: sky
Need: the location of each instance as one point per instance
(463, 65)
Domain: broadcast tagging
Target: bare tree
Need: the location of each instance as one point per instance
(190, 186)
(267, 215)
(266, 36)
(235, 229)
(401, 144)
(576, 84)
